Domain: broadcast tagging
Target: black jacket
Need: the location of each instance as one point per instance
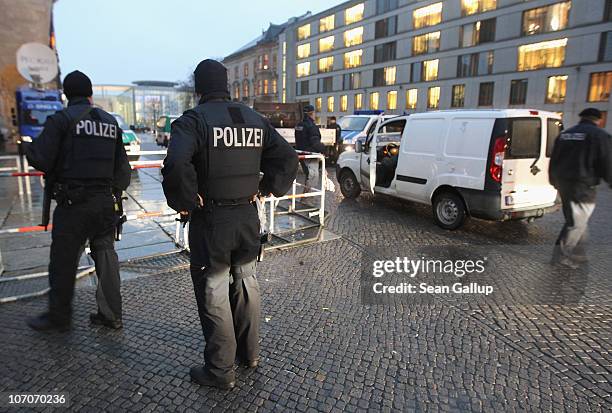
(581, 157)
(51, 146)
(308, 136)
(185, 158)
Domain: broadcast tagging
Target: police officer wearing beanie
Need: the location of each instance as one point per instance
(212, 174)
(82, 147)
(581, 158)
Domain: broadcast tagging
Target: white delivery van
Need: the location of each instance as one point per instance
(490, 164)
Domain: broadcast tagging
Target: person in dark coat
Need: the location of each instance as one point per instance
(581, 158)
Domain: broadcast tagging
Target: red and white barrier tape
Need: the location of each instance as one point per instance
(131, 217)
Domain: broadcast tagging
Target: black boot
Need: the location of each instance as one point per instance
(99, 320)
(201, 376)
(45, 322)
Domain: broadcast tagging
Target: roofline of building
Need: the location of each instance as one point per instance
(289, 22)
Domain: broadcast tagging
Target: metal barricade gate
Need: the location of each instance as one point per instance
(290, 213)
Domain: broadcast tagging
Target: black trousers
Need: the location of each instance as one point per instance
(93, 220)
(224, 243)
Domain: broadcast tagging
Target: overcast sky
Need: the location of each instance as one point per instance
(119, 41)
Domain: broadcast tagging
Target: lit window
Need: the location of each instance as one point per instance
(384, 76)
(374, 100)
(266, 61)
(358, 101)
(343, 103)
(540, 55)
(353, 14)
(390, 75)
(330, 103)
(353, 37)
(433, 97)
(352, 59)
(546, 19)
(326, 23)
(599, 87)
(318, 104)
(326, 44)
(303, 32)
(265, 86)
(411, 98)
(427, 16)
(518, 92)
(303, 69)
(246, 69)
(326, 64)
(430, 70)
(303, 50)
(458, 100)
(245, 88)
(556, 88)
(477, 6)
(426, 43)
(274, 86)
(392, 100)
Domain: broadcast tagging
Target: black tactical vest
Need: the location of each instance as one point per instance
(90, 148)
(231, 151)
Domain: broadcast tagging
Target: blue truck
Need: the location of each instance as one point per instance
(33, 108)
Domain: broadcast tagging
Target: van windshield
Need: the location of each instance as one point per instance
(524, 138)
(353, 123)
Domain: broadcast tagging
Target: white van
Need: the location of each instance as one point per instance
(490, 164)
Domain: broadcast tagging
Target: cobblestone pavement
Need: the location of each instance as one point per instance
(324, 350)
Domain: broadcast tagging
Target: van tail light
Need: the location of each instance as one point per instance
(497, 158)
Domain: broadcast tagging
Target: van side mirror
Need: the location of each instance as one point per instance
(359, 146)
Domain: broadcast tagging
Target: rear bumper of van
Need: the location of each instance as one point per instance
(486, 205)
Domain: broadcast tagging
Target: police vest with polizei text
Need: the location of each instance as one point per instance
(92, 147)
(234, 151)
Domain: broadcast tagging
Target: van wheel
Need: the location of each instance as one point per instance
(449, 210)
(348, 185)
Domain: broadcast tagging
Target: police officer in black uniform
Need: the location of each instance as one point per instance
(581, 158)
(212, 173)
(308, 136)
(82, 148)
(337, 148)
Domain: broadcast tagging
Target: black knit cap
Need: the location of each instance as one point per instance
(590, 113)
(211, 79)
(77, 84)
(308, 109)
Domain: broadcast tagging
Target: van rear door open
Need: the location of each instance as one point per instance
(525, 166)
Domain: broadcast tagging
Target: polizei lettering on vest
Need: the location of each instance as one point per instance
(101, 129)
(237, 137)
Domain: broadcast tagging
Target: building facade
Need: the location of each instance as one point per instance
(142, 103)
(253, 70)
(405, 56)
(20, 22)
